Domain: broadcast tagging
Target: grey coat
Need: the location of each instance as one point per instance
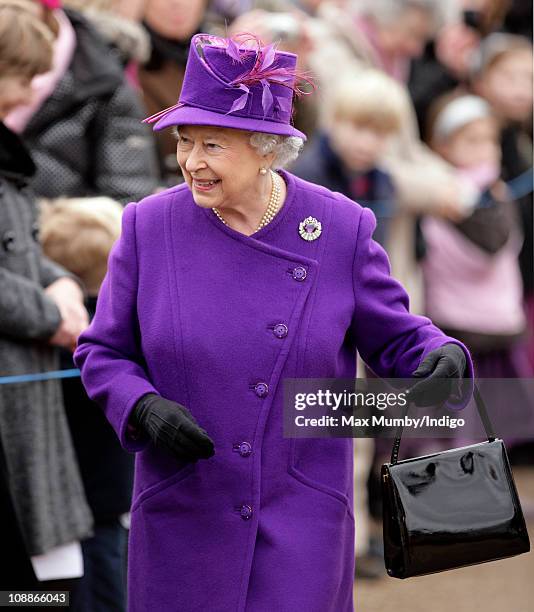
(44, 477)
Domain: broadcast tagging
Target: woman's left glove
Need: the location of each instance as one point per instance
(441, 370)
(172, 427)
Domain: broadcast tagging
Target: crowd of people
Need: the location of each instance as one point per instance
(420, 110)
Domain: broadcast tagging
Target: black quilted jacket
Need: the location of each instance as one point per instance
(87, 139)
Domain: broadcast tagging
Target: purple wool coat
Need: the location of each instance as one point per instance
(215, 320)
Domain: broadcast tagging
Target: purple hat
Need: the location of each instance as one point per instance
(230, 85)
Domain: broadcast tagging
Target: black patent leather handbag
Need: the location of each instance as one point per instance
(451, 509)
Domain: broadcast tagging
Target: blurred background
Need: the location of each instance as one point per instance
(422, 111)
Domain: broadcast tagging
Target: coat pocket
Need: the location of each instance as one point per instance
(323, 464)
(162, 485)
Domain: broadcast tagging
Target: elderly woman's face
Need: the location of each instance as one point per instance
(220, 165)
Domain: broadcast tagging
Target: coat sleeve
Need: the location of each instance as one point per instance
(26, 312)
(390, 339)
(109, 353)
(125, 151)
(50, 271)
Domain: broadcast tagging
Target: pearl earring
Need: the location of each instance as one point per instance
(263, 170)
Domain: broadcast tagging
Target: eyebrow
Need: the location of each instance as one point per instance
(216, 135)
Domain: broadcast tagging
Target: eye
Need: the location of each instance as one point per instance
(213, 146)
(183, 140)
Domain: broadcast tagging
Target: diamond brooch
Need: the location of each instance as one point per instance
(310, 228)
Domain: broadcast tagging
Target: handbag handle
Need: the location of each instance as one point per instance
(482, 411)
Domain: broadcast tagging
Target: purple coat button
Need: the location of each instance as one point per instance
(245, 512)
(261, 389)
(299, 273)
(280, 330)
(243, 448)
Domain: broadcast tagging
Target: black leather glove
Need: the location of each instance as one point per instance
(173, 428)
(441, 370)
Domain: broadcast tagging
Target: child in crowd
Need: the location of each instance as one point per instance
(41, 307)
(502, 74)
(472, 279)
(79, 234)
(362, 114)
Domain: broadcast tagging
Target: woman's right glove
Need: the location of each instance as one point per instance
(442, 370)
(172, 427)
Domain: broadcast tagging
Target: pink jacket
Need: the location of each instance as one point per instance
(468, 289)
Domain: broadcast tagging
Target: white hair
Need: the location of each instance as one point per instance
(285, 148)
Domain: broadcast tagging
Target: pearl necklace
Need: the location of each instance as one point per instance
(272, 206)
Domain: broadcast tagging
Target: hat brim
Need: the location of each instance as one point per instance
(192, 115)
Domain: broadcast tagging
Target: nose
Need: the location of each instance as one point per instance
(368, 139)
(194, 160)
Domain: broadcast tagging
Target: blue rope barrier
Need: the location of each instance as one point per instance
(518, 187)
(24, 378)
(522, 185)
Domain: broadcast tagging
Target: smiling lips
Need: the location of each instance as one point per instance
(205, 184)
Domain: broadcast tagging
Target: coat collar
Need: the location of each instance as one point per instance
(262, 239)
